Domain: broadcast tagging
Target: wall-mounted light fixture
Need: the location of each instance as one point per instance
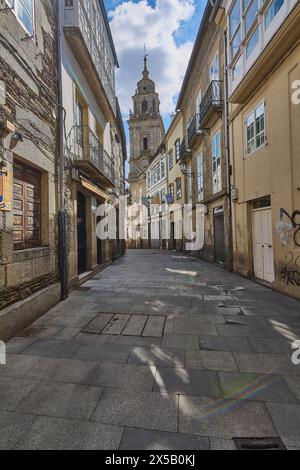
(18, 137)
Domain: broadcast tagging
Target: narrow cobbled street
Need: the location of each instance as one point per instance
(158, 351)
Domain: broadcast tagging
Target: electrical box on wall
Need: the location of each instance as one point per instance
(5, 191)
(234, 194)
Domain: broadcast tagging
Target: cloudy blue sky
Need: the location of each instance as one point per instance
(168, 28)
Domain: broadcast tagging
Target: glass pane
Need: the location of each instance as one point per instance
(234, 18)
(251, 15)
(25, 18)
(260, 126)
(28, 4)
(272, 11)
(260, 110)
(236, 42)
(237, 68)
(252, 43)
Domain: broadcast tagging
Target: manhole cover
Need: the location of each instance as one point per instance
(254, 443)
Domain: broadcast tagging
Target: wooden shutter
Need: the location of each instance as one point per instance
(26, 207)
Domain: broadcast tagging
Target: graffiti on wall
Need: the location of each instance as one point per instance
(290, 273)
(289, 225)
(288, 229)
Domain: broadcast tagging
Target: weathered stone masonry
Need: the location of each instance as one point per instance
(28, 73)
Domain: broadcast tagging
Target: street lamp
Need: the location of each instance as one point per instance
(183, 167)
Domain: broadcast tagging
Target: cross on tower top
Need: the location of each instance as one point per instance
(145, 72)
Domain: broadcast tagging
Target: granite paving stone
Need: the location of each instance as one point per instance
(13, 391)
(148, 410)
(159, 351)
(52, 348)
(225, 343)
(62, 434)
(157, 356)
(145, 439)
(103, 352)
(127, 376)
(266, 364)
(61, 400)
(210, 360)
(180, 341)
(224, 418)
(287, 421)
(12, 427)
(98, 324)
(187, 381)
(256, 387)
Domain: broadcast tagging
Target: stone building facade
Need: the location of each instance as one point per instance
(176, 183)
(203, 150)
(264, 122)
(95, 147)
(28, 162)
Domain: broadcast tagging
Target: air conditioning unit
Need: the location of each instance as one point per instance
(234, 194)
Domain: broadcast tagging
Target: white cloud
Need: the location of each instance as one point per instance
(136, 24)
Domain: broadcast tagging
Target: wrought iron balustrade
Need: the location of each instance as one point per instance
(84, 145)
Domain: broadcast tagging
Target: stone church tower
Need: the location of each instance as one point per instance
(145, 126)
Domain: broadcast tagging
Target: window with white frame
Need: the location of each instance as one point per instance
(214, 69)
(247, 22)
(200, 176)
(242, 19)
(255, 129)
(272, 11)
(177, 149)
(216, 162)
(24, 11)
(171, 160)
(163, 169)
(235, 28)
(178, 189)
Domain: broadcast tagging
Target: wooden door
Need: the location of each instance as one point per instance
(26, 207)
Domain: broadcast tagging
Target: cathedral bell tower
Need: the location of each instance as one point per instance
(146, 126)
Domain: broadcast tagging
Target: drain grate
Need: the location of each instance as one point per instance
(272, 443)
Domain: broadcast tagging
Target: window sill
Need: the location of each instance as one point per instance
(31, 253)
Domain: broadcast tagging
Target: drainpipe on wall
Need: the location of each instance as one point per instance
(62, 213)
(228, 162)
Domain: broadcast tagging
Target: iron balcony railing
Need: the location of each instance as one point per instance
(184, 149)
(193, 128)
(212, 100)
(83, 144)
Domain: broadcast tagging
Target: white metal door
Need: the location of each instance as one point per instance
(263, 245)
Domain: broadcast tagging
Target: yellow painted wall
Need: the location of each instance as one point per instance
(274, 171)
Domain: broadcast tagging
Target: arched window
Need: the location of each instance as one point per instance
(154, 106)
(144, 106)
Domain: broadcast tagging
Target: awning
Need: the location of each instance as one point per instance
(94, 189)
